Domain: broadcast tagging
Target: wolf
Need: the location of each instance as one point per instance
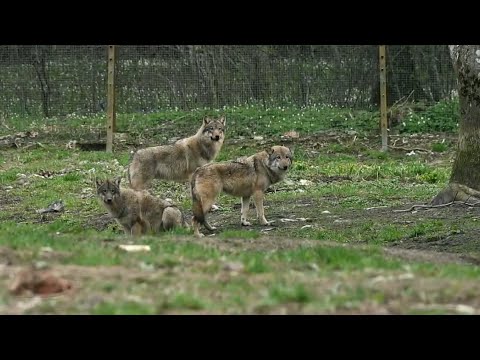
(244, 178)
(177, 162)
(138, 212)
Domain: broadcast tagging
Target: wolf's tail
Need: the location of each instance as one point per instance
(197, 207)
(132, 155)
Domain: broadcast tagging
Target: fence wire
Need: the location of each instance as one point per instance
(48, 80)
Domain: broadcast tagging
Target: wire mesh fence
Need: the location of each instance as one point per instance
(48, 80)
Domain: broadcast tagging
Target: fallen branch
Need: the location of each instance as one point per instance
(424, 207)
(375, 207)
(438, 206)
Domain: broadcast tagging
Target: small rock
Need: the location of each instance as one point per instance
(292, 134)
(465, 309)
(29, 304)
(72, 144)
(146, 267)
(304, 182)
(406, 276)
(258, 138)
(40, 265)
(233, 266)
(325, 212)
(377, 279)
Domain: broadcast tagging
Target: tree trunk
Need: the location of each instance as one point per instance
(40, 66)
(465, 179)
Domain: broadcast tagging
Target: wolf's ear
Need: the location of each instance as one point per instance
(292, 150)
(206, 120)
(117, 181)
(98, 182)
(222, 120)
(269, 151)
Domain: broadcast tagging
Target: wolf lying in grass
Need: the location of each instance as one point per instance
(138, 212)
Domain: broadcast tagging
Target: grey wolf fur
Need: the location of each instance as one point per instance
(177, 162)
(244, 178)
(138, 212)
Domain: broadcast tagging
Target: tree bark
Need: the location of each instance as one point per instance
(465, 179)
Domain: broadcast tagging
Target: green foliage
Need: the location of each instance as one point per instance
(441, 117)
(439, 147)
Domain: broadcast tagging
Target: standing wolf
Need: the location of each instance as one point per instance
(251, 176)
(177, 162)
(138, 212)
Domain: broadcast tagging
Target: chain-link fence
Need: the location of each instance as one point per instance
(47, 80)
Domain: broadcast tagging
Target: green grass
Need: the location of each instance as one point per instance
(242, 234)
(184, 301)
(255, 263)
(358, 185)
(280, 294)
(125, 308)
(439, 147)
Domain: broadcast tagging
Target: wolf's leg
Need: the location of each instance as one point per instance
(138, 183)
(136, 229)
(207, 205)
(208, 226)
(196, 228)
(245, 207)
(212, 208)
(258, 199)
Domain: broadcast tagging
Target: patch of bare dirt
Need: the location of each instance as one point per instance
(7, 256)
(7, 200)
(100, 222)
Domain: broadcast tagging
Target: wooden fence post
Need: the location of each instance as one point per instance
(111, 111)
(383, 99)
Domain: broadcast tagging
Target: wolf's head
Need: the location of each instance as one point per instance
(108, 190)
(280, 159)
(214, 128)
